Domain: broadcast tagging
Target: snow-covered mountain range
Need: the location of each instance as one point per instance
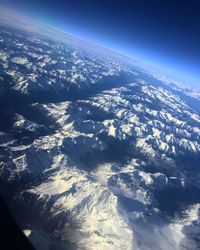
(96, 153)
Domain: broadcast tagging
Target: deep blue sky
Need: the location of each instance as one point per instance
(164, 33)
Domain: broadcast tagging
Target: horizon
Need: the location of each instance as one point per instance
(170, 69)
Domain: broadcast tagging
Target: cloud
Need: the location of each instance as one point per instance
(13, 19)
(18, 21)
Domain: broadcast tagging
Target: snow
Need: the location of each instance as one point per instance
(20, 60)
(93, 205)
(27, 232)
(112, 131)
(102, 203)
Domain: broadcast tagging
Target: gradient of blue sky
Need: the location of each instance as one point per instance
(165, 33)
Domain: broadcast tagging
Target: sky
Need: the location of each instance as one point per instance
(164, 34)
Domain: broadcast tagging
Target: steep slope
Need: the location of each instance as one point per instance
(94, 152)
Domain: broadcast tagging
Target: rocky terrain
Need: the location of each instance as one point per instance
(96, 153)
